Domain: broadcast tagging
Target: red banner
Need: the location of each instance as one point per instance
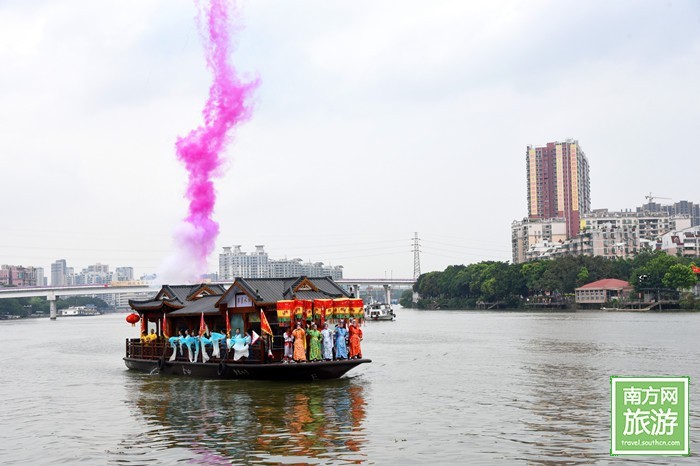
(341, 308)
(164, 327)
(284, 311)
(323, 308)
(202, 326)
(264, 324)
(308, 309)
(695, 268)
(357, 308)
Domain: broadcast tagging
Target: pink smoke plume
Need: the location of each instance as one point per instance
(201, 149)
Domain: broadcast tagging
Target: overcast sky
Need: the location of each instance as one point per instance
(373, 120)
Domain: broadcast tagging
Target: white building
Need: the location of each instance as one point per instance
(649, 225)
(59, 273)
(535, 238)
(602, 233)
(237, 263)
(123, 274)
(685, 242)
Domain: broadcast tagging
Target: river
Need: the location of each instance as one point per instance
(445, 387)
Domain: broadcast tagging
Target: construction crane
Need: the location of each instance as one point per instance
(651, 198)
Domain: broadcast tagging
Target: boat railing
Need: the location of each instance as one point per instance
(157, 349)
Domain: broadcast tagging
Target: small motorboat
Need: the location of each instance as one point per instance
(379, 311)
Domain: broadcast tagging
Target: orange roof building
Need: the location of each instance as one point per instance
(602, 291)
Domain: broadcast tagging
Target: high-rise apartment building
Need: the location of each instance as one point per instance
(558, 183)
(238, 263)
(59, 273)
(691, 209)
(17, 275)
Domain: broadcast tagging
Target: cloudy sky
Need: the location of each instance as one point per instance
(373, 120)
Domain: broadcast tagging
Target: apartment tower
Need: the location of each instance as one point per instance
(558, 183)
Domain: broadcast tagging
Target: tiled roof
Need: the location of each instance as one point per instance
(153, 304)
(270, 290)
(205, 304)
(606, 284)
(274, 289)
(179, 294)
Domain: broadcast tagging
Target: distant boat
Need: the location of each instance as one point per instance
(379, 311)
(79, 311)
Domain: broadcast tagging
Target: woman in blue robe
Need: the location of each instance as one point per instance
(341, 340)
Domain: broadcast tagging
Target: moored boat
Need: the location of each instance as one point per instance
(379, 311)
(191, 326)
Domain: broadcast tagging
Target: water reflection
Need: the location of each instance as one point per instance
(220, 422)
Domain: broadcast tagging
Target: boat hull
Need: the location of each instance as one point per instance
(271, 371)
(384, 317)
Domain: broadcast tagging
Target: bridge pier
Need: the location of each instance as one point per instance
(51, 298)
(387, 293)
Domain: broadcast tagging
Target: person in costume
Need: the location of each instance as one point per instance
(203, 343)
(341, 338)
(215, 338)
(327, 336)
(188, 342)
(288, 345)
(151, 337)
(240, 344)
(196, 343)
(299, 343)
(175, 341)
(355, 338)
(314, 343)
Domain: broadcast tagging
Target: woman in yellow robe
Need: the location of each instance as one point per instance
(299, 343)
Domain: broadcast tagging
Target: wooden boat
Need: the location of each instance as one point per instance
(254, 370)
(252, 305)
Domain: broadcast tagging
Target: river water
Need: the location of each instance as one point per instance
(445, 387)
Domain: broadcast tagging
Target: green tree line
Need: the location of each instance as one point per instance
(24, 307)
(512, 285)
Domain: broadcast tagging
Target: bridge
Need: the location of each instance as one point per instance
(355, 283)
(51, 292)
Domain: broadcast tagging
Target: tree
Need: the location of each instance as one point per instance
(428, 285)
(650, 275)
(13, 307)
(583, 276)
(406, 299)
(679, 277)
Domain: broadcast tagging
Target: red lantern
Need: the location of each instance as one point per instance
(133, 318)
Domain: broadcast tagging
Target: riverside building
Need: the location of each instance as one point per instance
(603, 233)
